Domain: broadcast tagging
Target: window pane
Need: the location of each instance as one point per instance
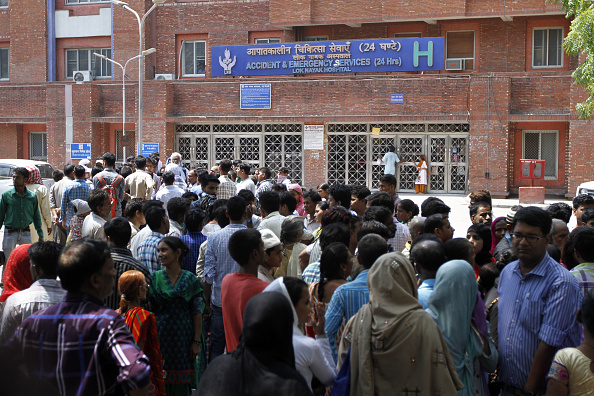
(555, 50)
(539, 47)
(531, 145)
(38, 150)
(549, 153)
(188, 58)
(460, 44)
(200, 57)
(83, 59)
(71, 62)
(4, 63)
(3, 3)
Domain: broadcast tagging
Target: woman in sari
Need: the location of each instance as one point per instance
(402, 335)
(35, 185)
(458, 310)
(142, 323)
(178, 301)
(421, 181)
(498, 230)
(297, 192)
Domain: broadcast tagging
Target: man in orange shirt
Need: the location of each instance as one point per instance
(247, 249)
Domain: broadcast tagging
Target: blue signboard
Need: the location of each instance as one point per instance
(80, 150)
(149, 148)
(354, 56)
(397, 98)
(255, 96)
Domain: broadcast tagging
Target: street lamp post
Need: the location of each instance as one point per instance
(140, 57)
(143, 54)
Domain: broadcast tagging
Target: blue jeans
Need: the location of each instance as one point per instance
(218, 333)
(12, 239)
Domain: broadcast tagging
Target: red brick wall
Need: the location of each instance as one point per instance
(10, 133)
(543, 95)
(28, 49)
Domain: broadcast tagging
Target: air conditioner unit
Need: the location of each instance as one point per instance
(163, 76)
(453, 64)
(83, 75)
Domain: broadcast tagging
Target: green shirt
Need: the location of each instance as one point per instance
(19, 212)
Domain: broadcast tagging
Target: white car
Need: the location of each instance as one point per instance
(585, 188)
(7, 165)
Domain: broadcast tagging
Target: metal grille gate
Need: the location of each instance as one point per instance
(353, 154)
(271, 145)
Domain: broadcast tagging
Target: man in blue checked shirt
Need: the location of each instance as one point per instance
(538, 301)
(79, 189)
(147, 252)
(350, 297)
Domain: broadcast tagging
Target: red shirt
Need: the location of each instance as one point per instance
(236, 290)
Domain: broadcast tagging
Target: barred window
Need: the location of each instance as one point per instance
(83, 59)
(543, 145)
(38, 146)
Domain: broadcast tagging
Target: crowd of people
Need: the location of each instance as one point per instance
(231, 281)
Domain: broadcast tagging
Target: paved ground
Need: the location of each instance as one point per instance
(459, 217)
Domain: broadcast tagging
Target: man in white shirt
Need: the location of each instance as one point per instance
(246, 183)
(180, 173)
(140, 184)
(390, 161)
(271, 218)
(100, 203)
(169, 190)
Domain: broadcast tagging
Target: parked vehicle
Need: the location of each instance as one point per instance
(7, 165)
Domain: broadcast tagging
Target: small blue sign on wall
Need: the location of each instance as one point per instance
(149, 148)
(255, 96)
(397, 98)
(80, 150)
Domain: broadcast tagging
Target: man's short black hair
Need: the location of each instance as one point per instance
(267, 172)
(434, 205)
(236, 208)
(247, 195)
(381, 198)
(225, 165)
(190, 196)
(79, 171)
(109, 158)
(535, 217)
(130, 159)
(207, 178)
(80, 260)
(96, 169)
(177, 207)
(57, 175)
(286, 198)
(194, 219)
(374, 227)
(341, 194)
(125, 171)
(559, 210)
(361, 192)
(584, 241)
(21, 170)
(68, 169)
(370, 248)
(434, 221)
(140, 161)
(168, 178)
(97, 198)
(582, 199)
(458, 249)
(246, 168)
(119, 231)
(278, 187)
(313, 194)
(379, 213)
(284, 169)
(335, 232)
(133, 206)
(388, 179)
(587, 215)
(154, 216)
(429, 254)
(242, 243)
(269, 201)
(45, 255)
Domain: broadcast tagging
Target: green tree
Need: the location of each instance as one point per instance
(581, 39)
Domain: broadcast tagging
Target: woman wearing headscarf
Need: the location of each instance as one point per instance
(460, 315)
(264, 361)
(35, 185)
(17, 272)
(402, 335)
(297, 192)
(498, 230)
(291, 234)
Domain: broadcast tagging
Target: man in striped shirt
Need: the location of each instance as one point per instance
(79, 346)
(538, 301)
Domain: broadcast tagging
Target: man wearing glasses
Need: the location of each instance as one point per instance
(538, 301)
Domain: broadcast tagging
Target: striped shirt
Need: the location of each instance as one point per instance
(78, 189)
(80, 347)
(42, 294)
(227, 188)
(345, 303)
(264, 185)
(193, 240)
(218, 262)
(584, 273)
(147, 252)
(123, 261)
(401, 236)
(311, 274)
(539, 306)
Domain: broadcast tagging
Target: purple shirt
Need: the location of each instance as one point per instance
(81, 347)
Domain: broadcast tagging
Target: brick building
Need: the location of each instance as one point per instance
(512, 97)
